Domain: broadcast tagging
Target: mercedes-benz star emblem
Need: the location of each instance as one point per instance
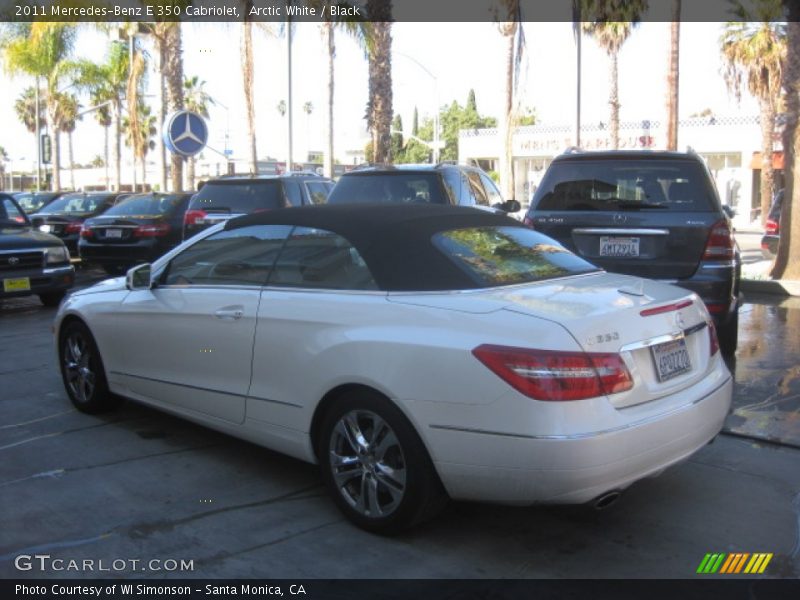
(188, 134)
(13, 260)
(620, 218)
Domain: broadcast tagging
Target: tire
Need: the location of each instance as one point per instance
(114, 269)
(82, 370)
(385, 482)
(52, 298)
(729, 335)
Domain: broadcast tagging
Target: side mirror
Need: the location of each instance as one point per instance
(510, 206)
(139, 278)
(729, 210)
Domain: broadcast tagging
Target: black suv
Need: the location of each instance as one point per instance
(227, 197)
(443, 183)
(649, 214)
(31, 262)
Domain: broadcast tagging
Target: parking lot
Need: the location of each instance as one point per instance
(143, 491)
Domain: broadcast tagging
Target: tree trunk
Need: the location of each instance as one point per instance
(613, 100)
(247, 82)
(672, 76)
(105, 157)
(787, 263)
(117, 145)
(71, 161)
(506, 162)
(767, 106)
(380, 83)
(162, 115)
(327, 34)
(174, 77)
(56, 147)
(190, 178)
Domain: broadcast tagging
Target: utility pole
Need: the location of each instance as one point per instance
(38, 139)
(289, 92)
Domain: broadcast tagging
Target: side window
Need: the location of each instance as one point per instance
(492, 192)
(318, 191)
(9, 211)
(477, 189)
(242, 256)
(315, 258)
(453, 185)
(293, 192)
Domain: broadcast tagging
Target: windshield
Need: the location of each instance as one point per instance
(239, 197)
(496, 256)
(625, 184)
(76, 204)
(10, 214)
(386, 188)
(145, 205)
(31, 202)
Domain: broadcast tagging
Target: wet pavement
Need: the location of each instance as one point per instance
(766, 397)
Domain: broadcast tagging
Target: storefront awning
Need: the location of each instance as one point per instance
(777, 160)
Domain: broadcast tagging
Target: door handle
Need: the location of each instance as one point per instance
(230, 313)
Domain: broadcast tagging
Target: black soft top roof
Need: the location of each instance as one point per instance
(393, 239)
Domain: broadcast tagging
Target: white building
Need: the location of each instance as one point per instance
(729, 145)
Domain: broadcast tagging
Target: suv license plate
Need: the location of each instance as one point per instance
(671, 359)
(113, 233)
(619, 246)
(23, 284)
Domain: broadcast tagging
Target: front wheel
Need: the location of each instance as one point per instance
(82, 370)
(375, 465)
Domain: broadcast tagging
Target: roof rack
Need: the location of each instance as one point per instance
(573, 150)
(368, 165)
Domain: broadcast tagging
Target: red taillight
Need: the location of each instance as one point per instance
(19, 219)
(666, 308)
(720, 244)
(555, 376)
(73, 228)
(716, 308)
(772, 227)
(156, 230)
(194, 217)
(712, 339)
(86, 232)
(529, 222)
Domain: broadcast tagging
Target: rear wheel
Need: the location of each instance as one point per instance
(729, 335)
(375, 466)
(82, 370)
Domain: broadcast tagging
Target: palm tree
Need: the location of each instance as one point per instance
(3, 159)
(44, 53)
(308, 108)
(67, 116)
(102, 115)
(787, 262)
(753, 52)
(139, 135)
(379, 54)
(672, 76)
(197, 100)
(611, 23)
(25, 107)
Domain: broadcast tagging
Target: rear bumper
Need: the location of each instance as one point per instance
(717, 285)
(146, 250)
(41, 282)
(576, 469)
(769, 246)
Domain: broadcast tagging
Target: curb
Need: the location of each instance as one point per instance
(770, 286)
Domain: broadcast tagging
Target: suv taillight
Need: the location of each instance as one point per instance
(529, 222)
(156, 230)
(73, 227)
(556, 376)
(772, 227)
(193, 217)
(86, 232)
(720, 244)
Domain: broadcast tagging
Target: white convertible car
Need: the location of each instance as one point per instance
(415, 352)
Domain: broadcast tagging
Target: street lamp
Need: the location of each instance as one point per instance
(436, 143)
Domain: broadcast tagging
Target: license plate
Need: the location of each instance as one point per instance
(671, 359)
(23, 284)
(113, 233)
(619, 246)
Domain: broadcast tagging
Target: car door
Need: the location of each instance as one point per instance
(188, 342)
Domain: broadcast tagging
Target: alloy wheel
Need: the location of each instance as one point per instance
(77, 357)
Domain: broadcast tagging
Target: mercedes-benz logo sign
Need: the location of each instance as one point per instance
(620, 218)
(13, 261)
(185, 133)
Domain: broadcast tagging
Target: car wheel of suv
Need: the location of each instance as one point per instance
(728, 335)
(82, 370)
(375, 466)
(52, 298)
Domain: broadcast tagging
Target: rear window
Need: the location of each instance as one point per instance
(496, 256)
(32, 202)
(147, 205)
(386, 188)
(239, 198)
(584, 185)
(76, 204)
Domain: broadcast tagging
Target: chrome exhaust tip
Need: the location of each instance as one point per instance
(603, 501)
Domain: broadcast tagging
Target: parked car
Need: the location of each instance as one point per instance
(64, 216)
(138, 229)
(31, 262)
(443, 183)
(772, 235)
(646, 213)
(228, 197)
(333, 334)
(32, 202)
